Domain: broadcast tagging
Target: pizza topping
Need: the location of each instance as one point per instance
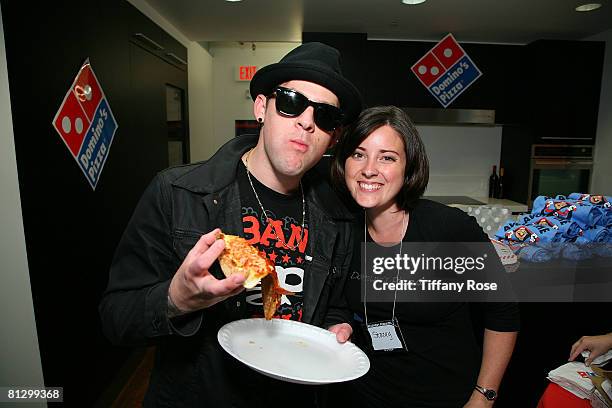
(241, 257)
(272, 294)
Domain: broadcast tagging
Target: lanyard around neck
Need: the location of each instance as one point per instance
(365, 259)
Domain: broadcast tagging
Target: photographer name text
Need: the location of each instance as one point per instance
(434, 285)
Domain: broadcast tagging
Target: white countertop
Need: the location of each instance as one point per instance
(512, 206)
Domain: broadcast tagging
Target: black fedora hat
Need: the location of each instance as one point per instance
(313, 62)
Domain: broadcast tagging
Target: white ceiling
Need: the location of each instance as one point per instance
(495, 21)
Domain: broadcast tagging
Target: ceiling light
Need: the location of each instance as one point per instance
(233, 1)
(588, 7)
(413, 1)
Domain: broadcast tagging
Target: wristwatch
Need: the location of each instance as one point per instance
(489, 393)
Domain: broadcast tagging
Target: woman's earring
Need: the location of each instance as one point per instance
(260, 120)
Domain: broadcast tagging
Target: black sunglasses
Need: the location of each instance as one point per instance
(292, 103)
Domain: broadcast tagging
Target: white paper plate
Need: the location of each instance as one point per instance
(292, 351)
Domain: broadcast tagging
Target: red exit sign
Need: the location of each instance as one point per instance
(245, 72)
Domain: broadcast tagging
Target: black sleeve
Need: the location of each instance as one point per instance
(339, 311)
(463, 227)
(502, 316)
(497, 316)
(134, 307)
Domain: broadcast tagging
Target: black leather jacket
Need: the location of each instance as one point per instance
(180, 205)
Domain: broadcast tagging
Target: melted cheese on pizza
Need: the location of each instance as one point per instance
(241, 257)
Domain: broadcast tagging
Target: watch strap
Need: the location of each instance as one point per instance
(489, 393)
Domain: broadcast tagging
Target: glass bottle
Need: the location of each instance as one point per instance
(493, 181)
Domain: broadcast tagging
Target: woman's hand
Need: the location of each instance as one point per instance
(597, 345)
(477, 400)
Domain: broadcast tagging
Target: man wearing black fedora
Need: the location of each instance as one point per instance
(165, 286)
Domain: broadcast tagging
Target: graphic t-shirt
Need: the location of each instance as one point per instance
(285, 222)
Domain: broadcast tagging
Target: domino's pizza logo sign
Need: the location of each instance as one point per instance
(86, 124)
(446, 70)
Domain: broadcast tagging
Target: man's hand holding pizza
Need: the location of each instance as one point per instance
(193, 287)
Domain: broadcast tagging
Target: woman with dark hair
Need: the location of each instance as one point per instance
(381, 165)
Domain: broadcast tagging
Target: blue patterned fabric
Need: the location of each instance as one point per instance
(576, 227)
(585, 215)
(534, 253)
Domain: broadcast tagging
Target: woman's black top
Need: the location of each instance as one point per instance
(443, 359)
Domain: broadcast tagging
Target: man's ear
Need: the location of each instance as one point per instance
(335, 137)
(259, 107)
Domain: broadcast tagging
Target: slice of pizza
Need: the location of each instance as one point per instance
(271, 294)
(241, 257)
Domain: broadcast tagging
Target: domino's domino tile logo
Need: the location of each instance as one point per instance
(446, 70)
(86, 124)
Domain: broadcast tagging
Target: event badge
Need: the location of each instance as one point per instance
(386, 336)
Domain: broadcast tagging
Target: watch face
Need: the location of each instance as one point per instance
(490, 395)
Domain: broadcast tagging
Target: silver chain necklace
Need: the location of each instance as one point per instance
(365, 260)
(283, 243)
